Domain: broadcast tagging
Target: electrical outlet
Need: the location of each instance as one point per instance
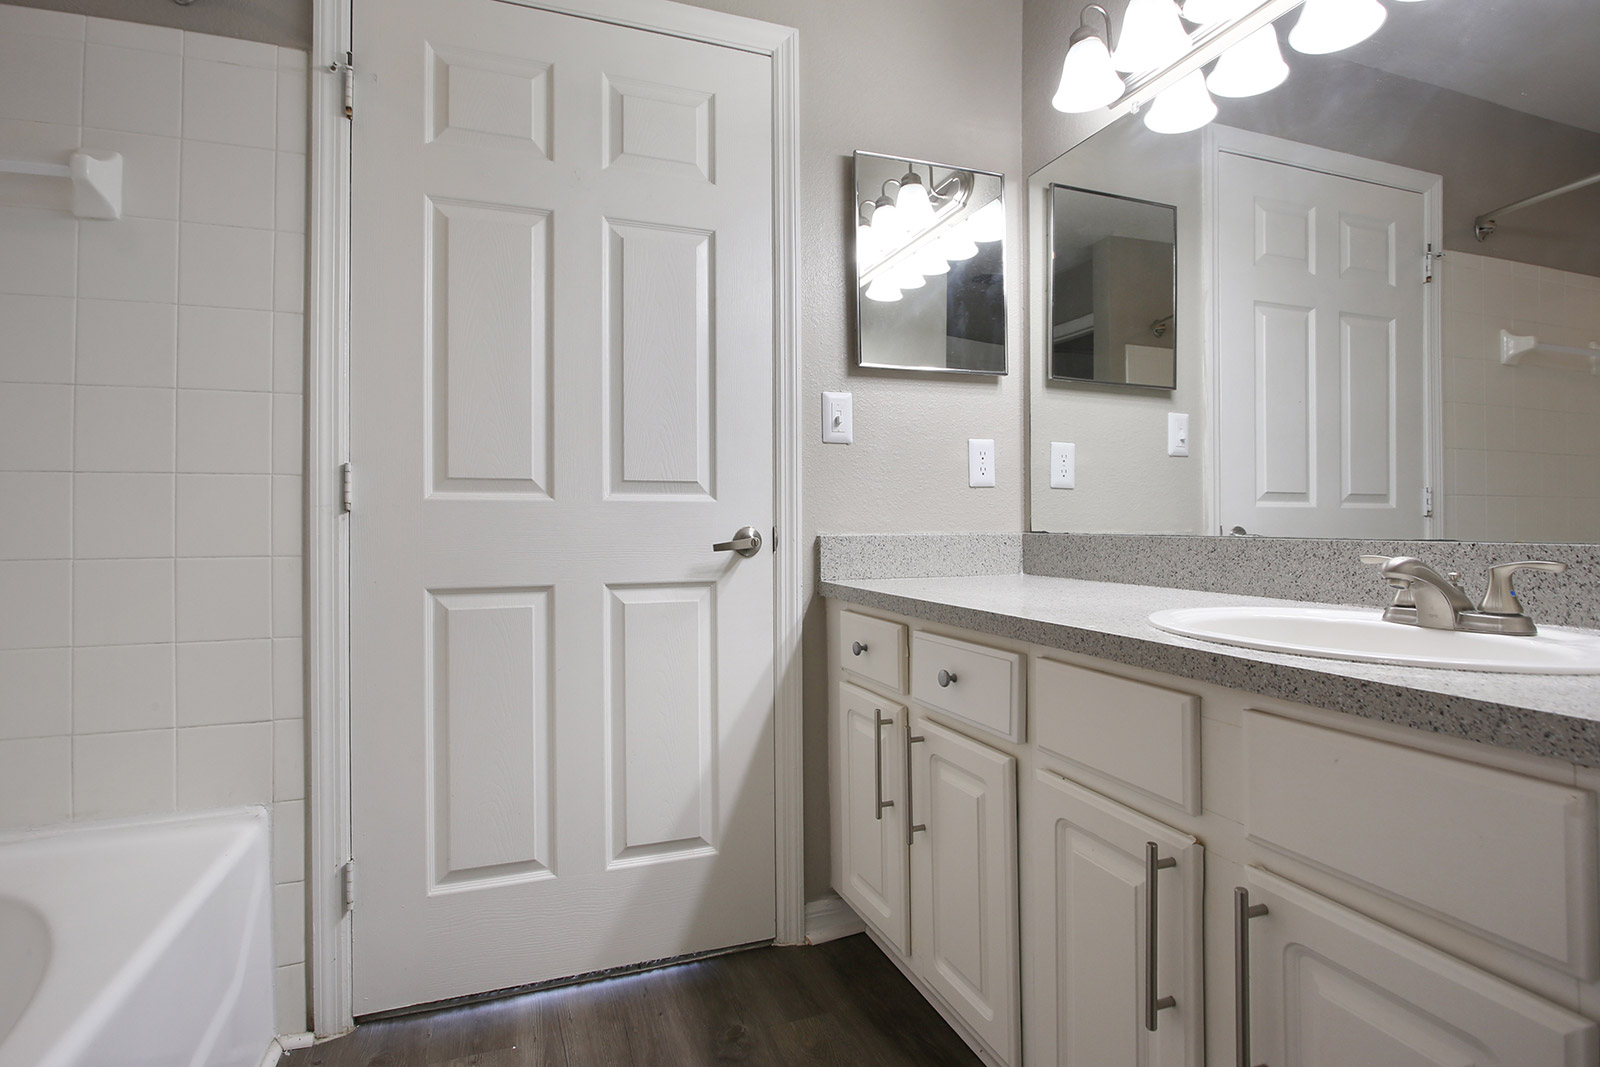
(980, 464)
(1177, 434)
(838, 423)
(1063, 465)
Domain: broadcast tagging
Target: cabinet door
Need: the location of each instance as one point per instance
(871, 817)
(1086, 912)
(964, 880)
(1331, 988)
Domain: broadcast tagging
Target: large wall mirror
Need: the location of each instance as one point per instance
(930, 266)
(1340, 380)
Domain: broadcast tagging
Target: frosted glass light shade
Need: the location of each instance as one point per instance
(1088, 80)
(882, 291)
(1211, 12)
(1183, 106)
(1332, 25)
(1152, 36)
(988, 223)
(1250, 67)
(929, 263)
(903, 276)
(956, 245)
(913, 206)
(869, 243)
(886, 221)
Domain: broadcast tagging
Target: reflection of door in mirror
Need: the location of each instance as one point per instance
(930, 266)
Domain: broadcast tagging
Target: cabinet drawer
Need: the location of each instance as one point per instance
(1509, 857)
(874, 649)
(1142, 735)
(982, 686)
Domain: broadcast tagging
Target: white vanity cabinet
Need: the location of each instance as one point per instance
(870, 822)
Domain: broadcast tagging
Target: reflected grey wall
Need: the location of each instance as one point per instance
(280, 22)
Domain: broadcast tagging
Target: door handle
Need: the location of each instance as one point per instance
(1153, 865)
(1243, 912)
(912, 826)
(877, 763)
(746, 541)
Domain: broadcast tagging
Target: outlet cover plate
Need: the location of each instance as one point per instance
(1063, 465)
(980, 464)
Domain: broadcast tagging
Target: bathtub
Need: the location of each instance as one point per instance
(144, 944)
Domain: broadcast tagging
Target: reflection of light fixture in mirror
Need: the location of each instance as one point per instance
(1212, 12)
(929, 263)
(956, 246)
(913, 208)
(883, 291)
(1088, 80)
(1332, 25)
(1250, 67)
(988, 223)
(886, 218)
(1152, 36)
(1182, 107)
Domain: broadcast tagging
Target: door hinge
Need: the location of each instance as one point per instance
(1430, 260)
(1427, 501)
(346, 487)
(347, 70)
(347, 875)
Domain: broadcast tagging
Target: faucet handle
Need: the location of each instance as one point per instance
(1501, 598)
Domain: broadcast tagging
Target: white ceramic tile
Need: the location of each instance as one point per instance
(14, 19)
(230, 50)
(226, 266)
(229, 103)
(293, 110)
(288, 841)
(289, 273)
(286, 596)
(224, 515)
(35, 782)
(44, 142)
(121, 428)
(126, 342)
(122, 601)
(35, 338)
(41, 78)
(36, 693)
(37, 595)
(288, 353)
(224, 599)
(224, 432)
(290, 997)
(135, 35)
(41, 251)
(224, 348)
(221, 766)
(122, 687)
(123, 774)
(228, 184)
(150, 168)
(128, 259)
(289, 215)
(289, 759)
(289, 923)
(288, 530)
(122, 516)
(133, 90)
(35, 516)
(224, 681)
(35, 427)
(288, 678)
(288, 433)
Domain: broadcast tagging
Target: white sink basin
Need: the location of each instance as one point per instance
(1362, 635)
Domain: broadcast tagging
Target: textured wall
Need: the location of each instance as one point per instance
(281, 22)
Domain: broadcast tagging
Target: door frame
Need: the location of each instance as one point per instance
(1219, 140)
(327, 450)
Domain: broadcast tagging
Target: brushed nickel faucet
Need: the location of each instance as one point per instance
(1424, 597)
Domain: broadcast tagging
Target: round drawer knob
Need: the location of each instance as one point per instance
(946, 679)
(857, 648)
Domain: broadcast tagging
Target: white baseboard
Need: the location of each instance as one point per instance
(830, 918)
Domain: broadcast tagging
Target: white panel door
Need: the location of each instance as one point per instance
(1321, 316)
(561, 383)
(1086, 905)
(1331, 988)
(963, 796)
(871, 821)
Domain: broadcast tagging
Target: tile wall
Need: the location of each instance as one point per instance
(150, 437)
(1522, 443)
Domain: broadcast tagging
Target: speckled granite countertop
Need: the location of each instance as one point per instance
(1547, 715)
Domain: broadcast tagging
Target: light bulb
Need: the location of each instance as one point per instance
(1250, 67)
(1183, 106)
(1332, 25)
(1088, 80)
(988, 223)
(1152, 36)
(1211, 12)
(914, 208)
(956, 246)
(882, 291)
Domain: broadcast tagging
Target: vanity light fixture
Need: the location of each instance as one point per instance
(886, 219)
(1185, 106)
(1249, 68)
(988, 223)
(956, 246)
(913, 207)
(1088, 80)
(1333, 25)
(882, 291)
(1214, 12)
(1152, 36)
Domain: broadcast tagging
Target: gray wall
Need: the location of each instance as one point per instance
(281, 22)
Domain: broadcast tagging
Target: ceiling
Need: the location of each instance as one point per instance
(1541, 57)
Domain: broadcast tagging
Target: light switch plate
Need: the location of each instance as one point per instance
(838, 423)
(1063, 465)
(1177, 434)
(980, 464)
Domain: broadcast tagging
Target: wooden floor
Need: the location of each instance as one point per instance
(840, 1003)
